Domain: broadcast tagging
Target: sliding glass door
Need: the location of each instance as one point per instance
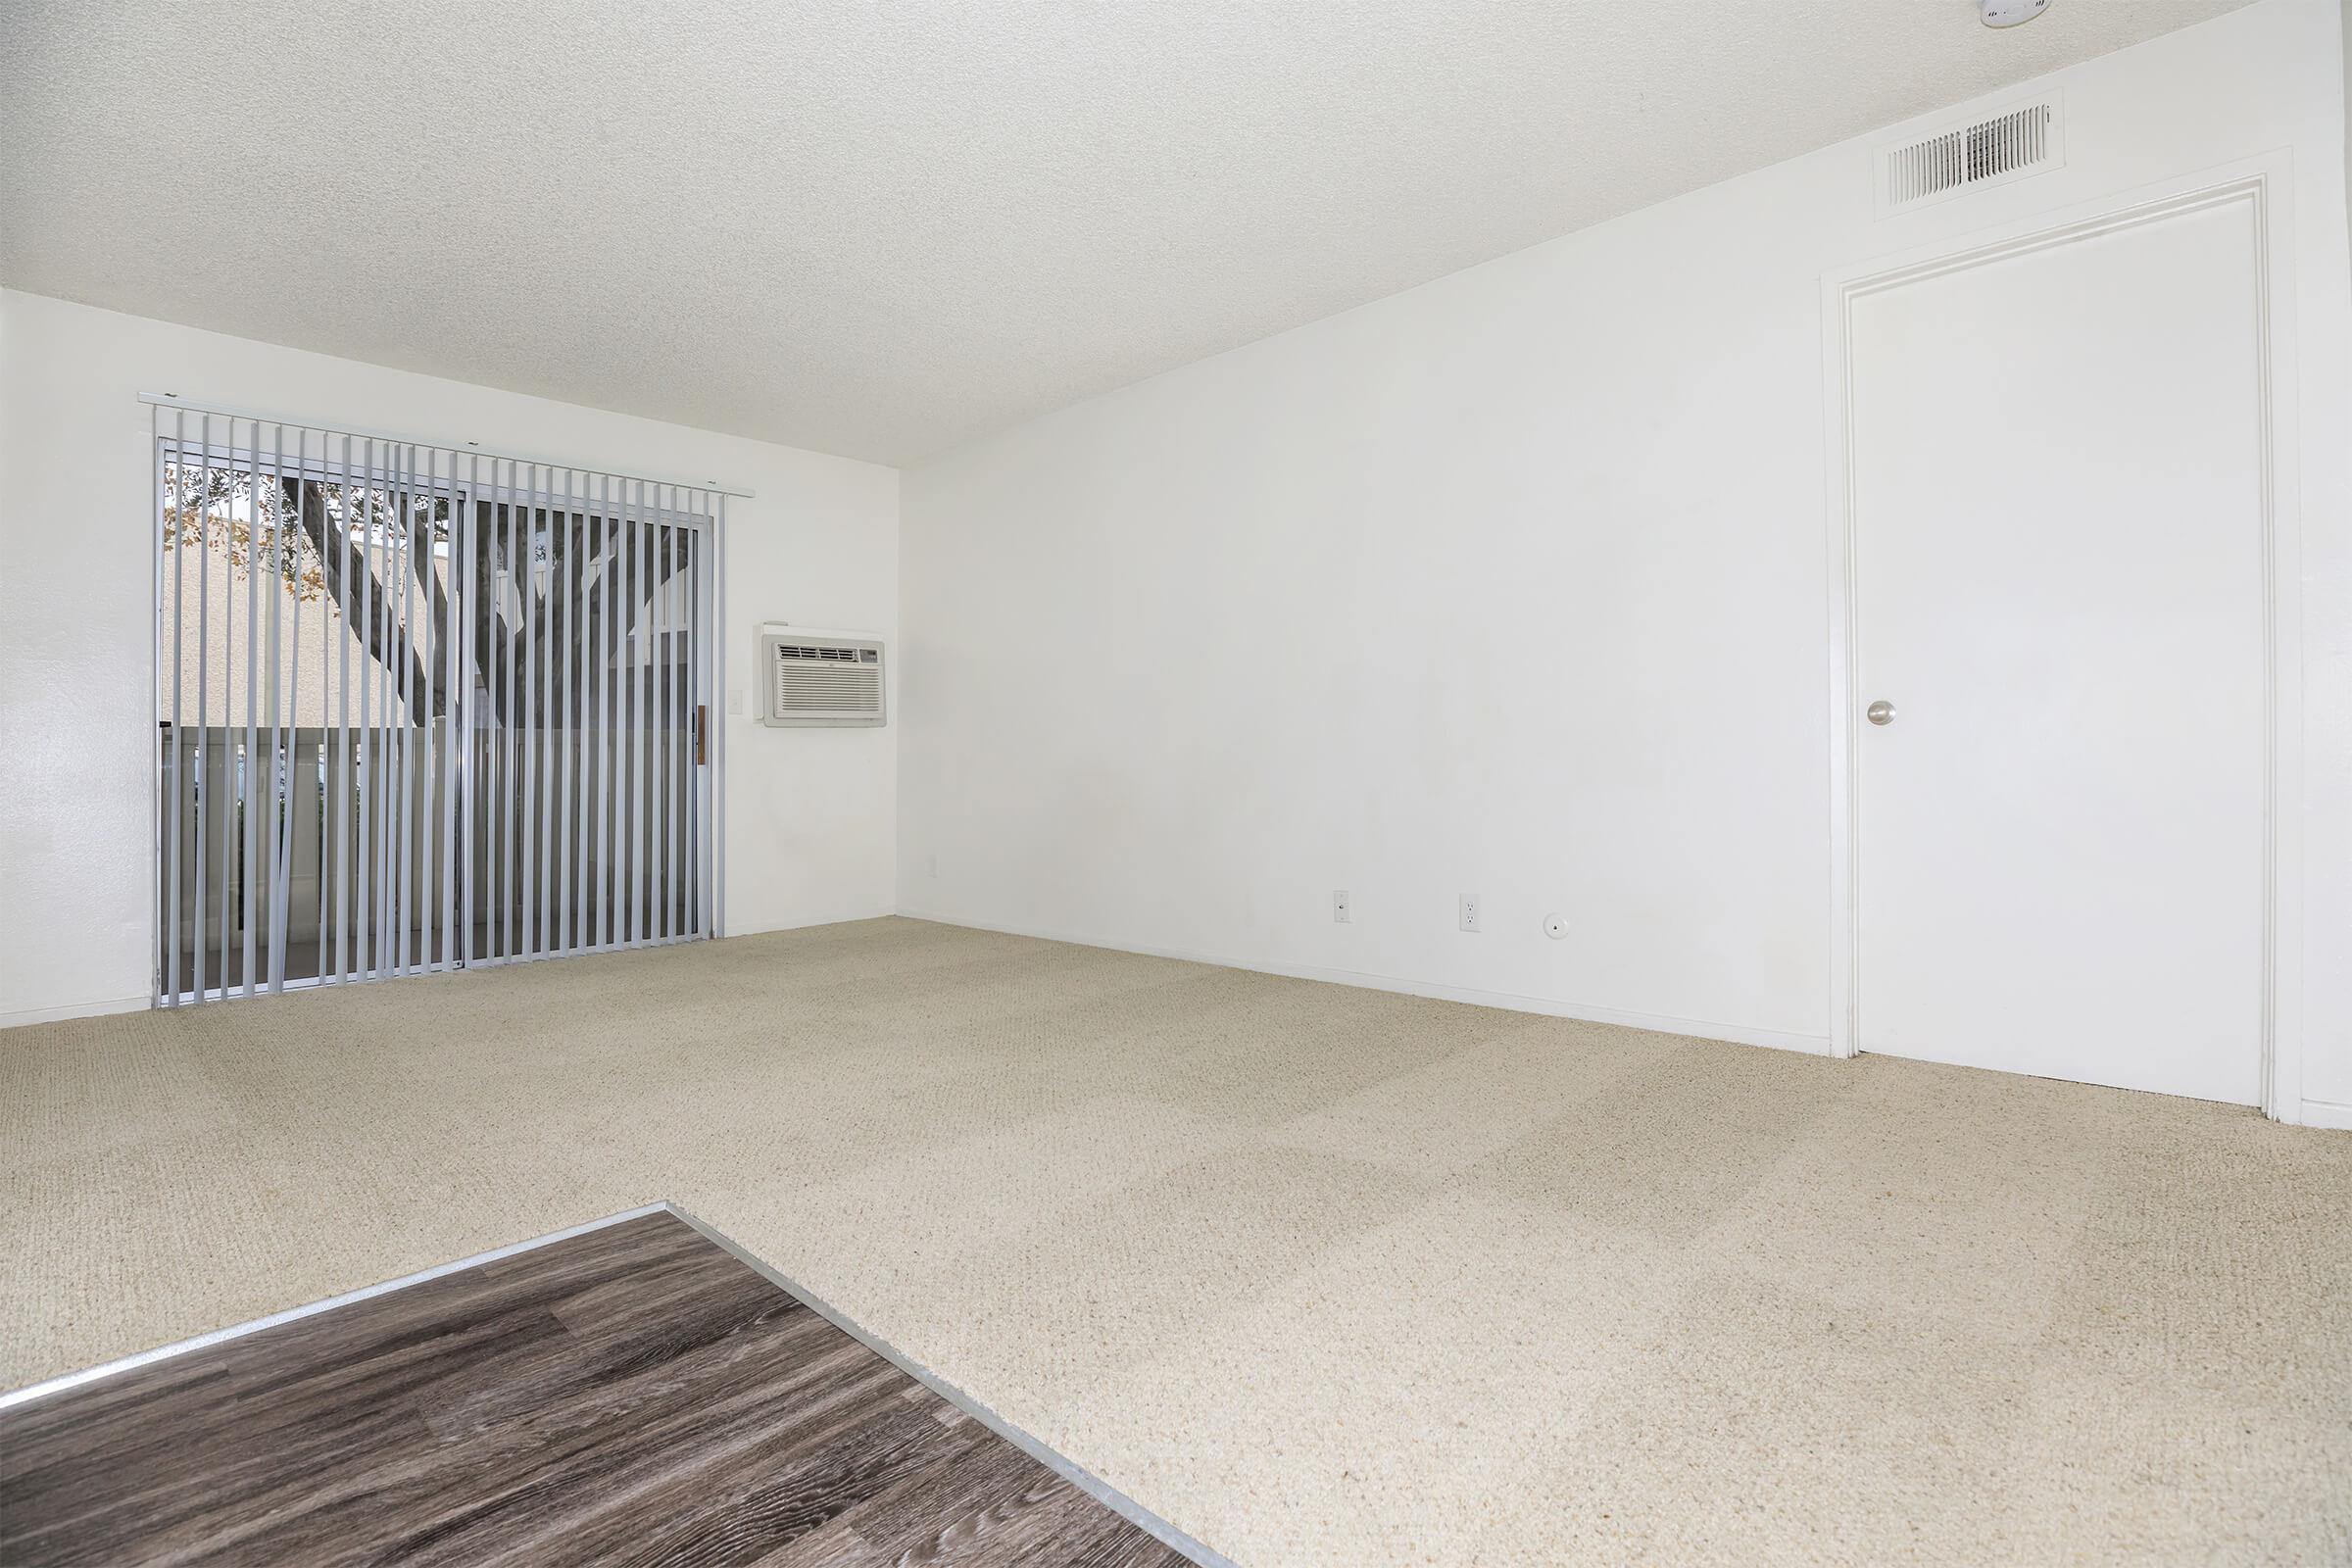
(419, 709)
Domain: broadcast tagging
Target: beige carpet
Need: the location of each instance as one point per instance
(1321, 1275)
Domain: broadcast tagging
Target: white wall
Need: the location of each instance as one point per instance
(1515, 583)
(809, 834)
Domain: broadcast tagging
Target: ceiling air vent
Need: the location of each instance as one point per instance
(817, 679)
(1987, 152)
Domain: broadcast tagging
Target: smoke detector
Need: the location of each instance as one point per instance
(2009, 13)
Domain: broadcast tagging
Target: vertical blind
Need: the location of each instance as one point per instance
(422, 708)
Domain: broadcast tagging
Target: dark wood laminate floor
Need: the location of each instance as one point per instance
(632, 1396)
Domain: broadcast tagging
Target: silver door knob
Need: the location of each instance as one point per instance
(1881, 711)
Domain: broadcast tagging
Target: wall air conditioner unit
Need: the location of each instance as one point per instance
(816, 679)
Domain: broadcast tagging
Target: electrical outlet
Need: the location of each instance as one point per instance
(931, 864)
(1339, 906)
(1469, 912)
(734, 699)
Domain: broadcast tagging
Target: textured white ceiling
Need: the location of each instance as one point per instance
(882, 228)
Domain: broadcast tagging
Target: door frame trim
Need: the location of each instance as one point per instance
(2263, 184)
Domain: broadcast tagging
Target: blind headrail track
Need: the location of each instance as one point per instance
(172, 400)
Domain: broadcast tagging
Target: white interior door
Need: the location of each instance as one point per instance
(2058, 526)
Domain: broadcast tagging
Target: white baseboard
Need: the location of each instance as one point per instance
(77, 1009)
(765, 927)
(2327, 1113)
(1509, 1001)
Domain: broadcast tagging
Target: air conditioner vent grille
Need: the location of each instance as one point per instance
(2004, 147)
(844, 656)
